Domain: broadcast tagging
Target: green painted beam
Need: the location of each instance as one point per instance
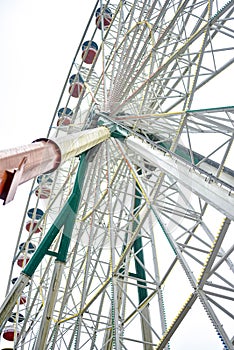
(66, 219)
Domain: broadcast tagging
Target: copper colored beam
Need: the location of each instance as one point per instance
(18, 165)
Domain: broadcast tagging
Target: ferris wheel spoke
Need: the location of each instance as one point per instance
(144, 64)
(189, 42)
(154, 46)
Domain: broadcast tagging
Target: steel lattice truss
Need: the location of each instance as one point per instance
(150, 265)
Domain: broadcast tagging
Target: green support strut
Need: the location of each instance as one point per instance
(65, 219)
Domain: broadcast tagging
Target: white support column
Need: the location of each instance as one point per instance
(49, 306)
(10, 301)
(73, 144)
(210, 191)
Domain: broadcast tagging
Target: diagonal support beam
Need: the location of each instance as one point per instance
(198, 181)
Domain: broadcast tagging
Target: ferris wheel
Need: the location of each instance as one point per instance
(127, 237)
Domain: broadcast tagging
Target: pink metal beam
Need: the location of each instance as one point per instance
(18, 165)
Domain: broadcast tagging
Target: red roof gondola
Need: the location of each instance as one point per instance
(103, 16)
(9, 333)
(89, 49)
(77, 85)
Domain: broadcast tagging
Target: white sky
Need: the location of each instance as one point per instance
(38, 41)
